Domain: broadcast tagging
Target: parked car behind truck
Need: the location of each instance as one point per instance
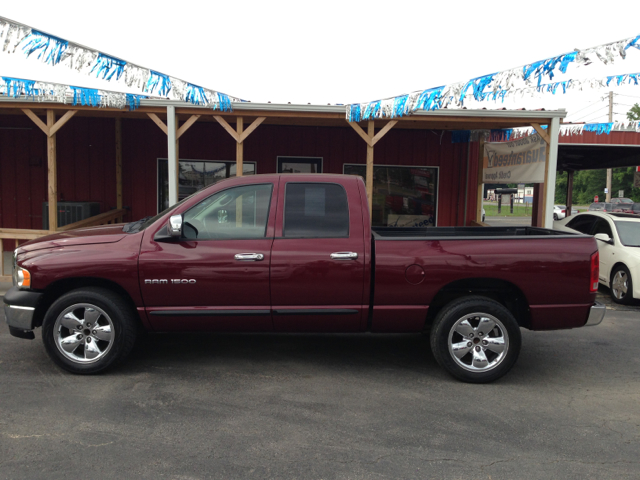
(296, 253)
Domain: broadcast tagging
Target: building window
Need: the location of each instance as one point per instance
(402, 196)
(299, 165)
(195, 175)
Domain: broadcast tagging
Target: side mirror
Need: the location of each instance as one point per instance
(175, 226)
(603, 237)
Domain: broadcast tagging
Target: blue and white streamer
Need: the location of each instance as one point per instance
(58, 51)
(567, 129)
(517, 81)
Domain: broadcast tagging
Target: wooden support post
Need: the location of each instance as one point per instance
(52, 173)
(239, 148)
(480, 185)
(239, 135)
(369, 180)
(119, 165)
(371, 140)
(569, 192)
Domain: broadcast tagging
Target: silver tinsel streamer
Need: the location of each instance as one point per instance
(112, 99)
(12, 35)
(178, 89)
(52, 92)
(78, 58)
(135, 77)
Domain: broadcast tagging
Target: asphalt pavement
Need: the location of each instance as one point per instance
(326, 407)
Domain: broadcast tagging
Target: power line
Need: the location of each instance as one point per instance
(593, 113)
(584, 108)
(630, 96)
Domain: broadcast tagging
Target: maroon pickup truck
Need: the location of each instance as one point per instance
(296, 253)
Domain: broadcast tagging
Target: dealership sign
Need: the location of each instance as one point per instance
(520, 161)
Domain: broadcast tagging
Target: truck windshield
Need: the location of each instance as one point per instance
(629, 233)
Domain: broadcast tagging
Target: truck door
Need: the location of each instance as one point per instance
(216, 277)
(318, 257)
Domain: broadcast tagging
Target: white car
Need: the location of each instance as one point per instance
(618, 238)
(560, 211)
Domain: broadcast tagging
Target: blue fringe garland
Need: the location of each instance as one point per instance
(460, 136)
(86, 96)
(430, 99)
(398, 105)
(134, 100)
(225, 103)
(51, 47)
(599, 128)
(108, 67)
(354, 113)
(158, 79)
(196, 95)
(19, 86)
(478, 84)
(633, 43)
(371, 110)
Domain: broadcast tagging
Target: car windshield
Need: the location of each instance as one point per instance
(621, 200)
(629, 233)
(561, 207)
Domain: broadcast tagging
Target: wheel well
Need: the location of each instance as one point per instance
(501, 291)
(59, 288)
(613, 269)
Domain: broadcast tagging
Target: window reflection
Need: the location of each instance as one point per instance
(402, 196)
(194, 175)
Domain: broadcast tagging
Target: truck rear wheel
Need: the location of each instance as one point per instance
(88, 330)
(475, 339)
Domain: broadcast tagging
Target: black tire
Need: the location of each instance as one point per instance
(555, 217)
(446, 330)
(112, 334)
(621, 285)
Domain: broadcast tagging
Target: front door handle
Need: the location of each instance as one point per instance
(249, 257)
(344, 256)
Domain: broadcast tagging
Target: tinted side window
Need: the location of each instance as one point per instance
(235, 213)
(316, 210)
(602, 226)
(582, 223)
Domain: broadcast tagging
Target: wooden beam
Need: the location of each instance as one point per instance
(383, 132)
(239, 148)
(369, 183)
(256, 123)
(186, 125)
(37, 121)
(159, 122)
(100, 219)
(52, 174)
(545, 185)
(227, 127)
(60, 123)
(360, 132)
(119, 164)
(480, 191)
(542, 133)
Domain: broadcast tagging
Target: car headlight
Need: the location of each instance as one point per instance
(21, 276)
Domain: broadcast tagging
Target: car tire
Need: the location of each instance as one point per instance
(621, 285)
(468, 353)
(555, 217)
(89, 330)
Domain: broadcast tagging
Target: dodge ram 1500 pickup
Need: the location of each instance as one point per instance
(296, 253)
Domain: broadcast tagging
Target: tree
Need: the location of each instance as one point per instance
(634, 113)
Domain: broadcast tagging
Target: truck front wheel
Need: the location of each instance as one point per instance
(88, 330)
(475, 339)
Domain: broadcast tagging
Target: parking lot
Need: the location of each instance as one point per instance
(326, 406)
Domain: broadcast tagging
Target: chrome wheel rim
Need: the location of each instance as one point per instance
(478, 342)
(620, 284)
(84, 333)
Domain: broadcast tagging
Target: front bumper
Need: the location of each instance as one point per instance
(596, 314)
(19, 309)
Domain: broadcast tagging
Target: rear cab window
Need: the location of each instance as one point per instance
(315, 210)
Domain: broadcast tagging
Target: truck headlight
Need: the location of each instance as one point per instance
(21, 278)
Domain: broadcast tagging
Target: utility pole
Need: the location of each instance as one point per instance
(609, 171)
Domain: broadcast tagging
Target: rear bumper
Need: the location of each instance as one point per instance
(19, 308)
(596, 314)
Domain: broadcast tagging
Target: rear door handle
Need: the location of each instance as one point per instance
(344, 256)
(249, 257)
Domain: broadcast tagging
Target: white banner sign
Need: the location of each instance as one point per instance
(520, 161)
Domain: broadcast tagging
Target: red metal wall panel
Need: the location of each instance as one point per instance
(86, 161)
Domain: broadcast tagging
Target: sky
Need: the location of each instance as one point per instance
(338, 52)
